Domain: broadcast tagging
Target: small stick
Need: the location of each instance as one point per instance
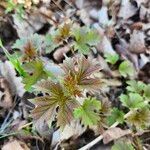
(99, 138)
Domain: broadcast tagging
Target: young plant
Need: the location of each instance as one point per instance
(80, 39)
(137, 117)
(111, 58)
(62, 94)
(137, 101)
(126, 69)
(29, 65)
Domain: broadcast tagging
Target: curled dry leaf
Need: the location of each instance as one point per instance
(16, 86)
(74, 130)
(5, 93)
(113, 134)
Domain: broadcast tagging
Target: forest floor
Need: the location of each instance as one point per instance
(47, 46)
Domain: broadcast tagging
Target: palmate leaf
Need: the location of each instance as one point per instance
(126, 69)
(111, 58)
(140, 118)
(35, 71)
(116, 115)
(82, 71)
(84, 38)
(45, 109)
(87, 112)
(136, 86)
(133, 100)
(47, 104)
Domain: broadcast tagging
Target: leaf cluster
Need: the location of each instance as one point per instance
(62, 94)
(137, 101)
(126, 68)
(80, 39)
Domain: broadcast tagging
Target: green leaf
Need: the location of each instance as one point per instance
(126, 69)
(121, 145)
(133, 100)
(88, 112)
(147, 92)
(116, 115)
(136, 86)
(11, 6)
(35, 71)
(111, 58)
(84, 39)
(14, 60)
(83, 48)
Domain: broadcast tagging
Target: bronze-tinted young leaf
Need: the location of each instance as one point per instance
(45, 109)
(65, 113)
(139, 118)
(65, 30)
(105, 106)
(29, 52)
(82, 71)
(46, 105)
(48, 86)
(63, 33)
(71, 87)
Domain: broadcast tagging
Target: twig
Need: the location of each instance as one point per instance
(99, 138)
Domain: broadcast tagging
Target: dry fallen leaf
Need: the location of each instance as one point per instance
(5, 93)
(59, 53)
(113, 134)
(127, 10)
(145, 13)
(74, 129)
(15, 83)
(140, 2)
(15, 145)
(137, 42)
